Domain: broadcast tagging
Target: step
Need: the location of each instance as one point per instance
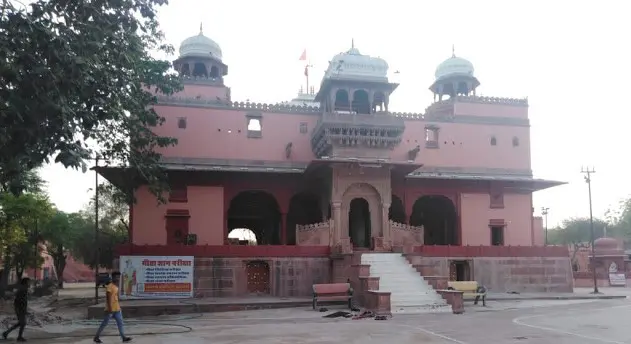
(423, 309)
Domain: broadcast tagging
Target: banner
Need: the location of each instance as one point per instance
(156, 277)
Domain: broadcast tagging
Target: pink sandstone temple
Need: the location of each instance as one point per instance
(333, 177)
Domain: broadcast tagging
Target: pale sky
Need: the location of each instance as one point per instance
(570, 58)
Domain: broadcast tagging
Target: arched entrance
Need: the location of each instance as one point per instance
(257, 211)
(359, 225)
(304, 209)
(437, 215)
(361, 214)
(258, 277)
(397, 210)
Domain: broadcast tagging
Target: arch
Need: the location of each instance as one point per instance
(361, 102)
(258, 274)
(199, 69)
(397, 210)
(341, 102)
(186, 70)
(259, 212)
(372, 196)
(379, 100)
(214, 72)
(515, 141)
(493, 141)
(304, 209)
(437, 214)
(359, 223)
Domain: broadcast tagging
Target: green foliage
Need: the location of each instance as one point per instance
(576, 230)
(76, 73)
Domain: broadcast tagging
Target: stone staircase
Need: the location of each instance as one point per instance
(410, 293)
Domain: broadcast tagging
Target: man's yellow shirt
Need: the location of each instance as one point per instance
(112, 290)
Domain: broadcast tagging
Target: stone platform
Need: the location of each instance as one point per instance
(142, 308)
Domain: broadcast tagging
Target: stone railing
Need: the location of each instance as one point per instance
(201, 80)
(405, 235)
(247, 106)
(314, 234)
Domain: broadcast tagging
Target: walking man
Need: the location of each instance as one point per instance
(112, 309)
(20, 305)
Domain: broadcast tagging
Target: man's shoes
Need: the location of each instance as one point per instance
(21, 339)
(97, 340)
(126, 339)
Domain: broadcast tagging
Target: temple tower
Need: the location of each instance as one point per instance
(354, 96)
(200, 60)
(454, 77)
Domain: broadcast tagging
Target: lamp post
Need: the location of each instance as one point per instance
(544, 212)
(97, 250)
(588, 179)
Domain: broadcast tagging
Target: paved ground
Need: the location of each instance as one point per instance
(540, 322)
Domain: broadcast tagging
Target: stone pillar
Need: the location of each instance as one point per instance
(226, 229)
(283, 229)
(385, 225)
(337, 222)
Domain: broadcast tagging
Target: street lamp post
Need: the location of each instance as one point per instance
(544, 212)
(96, 232)
(588, 179)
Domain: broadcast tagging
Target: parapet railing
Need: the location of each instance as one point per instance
(491, 251)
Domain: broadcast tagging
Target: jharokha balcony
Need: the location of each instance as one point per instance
(336, 132)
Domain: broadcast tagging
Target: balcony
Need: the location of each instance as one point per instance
(341, 131)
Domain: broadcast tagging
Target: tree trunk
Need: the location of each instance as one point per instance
(4, 276)
(60, 266)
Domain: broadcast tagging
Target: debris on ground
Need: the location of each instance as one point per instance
(34, 319)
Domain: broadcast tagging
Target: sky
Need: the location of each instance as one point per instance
(571, 59)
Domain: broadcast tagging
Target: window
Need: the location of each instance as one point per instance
(181, 122)
(431, 137)
(497, 235)
(178, 194)
(303, 128)
(254, 122)
(515, 141)
(493, 141)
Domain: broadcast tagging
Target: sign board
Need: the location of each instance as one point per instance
(156, 277)
(617, 280)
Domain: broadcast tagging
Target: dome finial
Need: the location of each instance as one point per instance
(453, 50)
(201, 28)
(352, 43)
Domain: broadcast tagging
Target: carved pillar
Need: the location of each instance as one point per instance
(351, 93)
(455, 87)
(337, 222)
(386, 101)
(283, 229)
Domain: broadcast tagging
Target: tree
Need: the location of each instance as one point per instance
(113, 226)
(20, 219)
(84, 69)
(61, 235)
(576, 232)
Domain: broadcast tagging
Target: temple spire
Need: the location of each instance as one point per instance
(352, 43)
(453, 50)
(201, 28)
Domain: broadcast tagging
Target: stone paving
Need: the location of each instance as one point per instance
(540, 322)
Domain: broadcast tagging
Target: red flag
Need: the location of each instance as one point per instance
(303, 57)
(306, 70)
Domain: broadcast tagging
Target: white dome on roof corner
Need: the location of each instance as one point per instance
(200, 46)
(454, 66)
(353, 65)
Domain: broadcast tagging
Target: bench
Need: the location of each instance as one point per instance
(332, 292)
(470, 289)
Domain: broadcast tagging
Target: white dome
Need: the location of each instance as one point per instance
(454, 66)
(353, 65)
(200, 46)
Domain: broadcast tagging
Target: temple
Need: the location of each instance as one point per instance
(272, 198)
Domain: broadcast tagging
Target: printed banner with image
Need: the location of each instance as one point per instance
(156, 277)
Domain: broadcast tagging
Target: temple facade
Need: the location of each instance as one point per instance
(272, 198)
